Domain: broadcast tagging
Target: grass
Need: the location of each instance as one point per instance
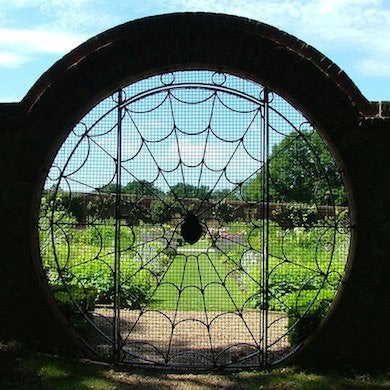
(202, 244)
(191, 275)
(23, 369)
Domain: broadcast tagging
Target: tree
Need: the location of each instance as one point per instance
(223, 212)
(182, 190)
(301, 170)
(141, 187)
(224, 194)
(138, 187)
(111, 188)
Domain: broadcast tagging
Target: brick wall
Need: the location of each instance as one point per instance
(356, 332)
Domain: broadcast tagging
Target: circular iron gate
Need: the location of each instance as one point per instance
(194, 219)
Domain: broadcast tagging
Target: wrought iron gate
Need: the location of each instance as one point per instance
(194, 219)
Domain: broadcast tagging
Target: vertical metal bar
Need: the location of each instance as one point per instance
(118, 195)
(265, 226)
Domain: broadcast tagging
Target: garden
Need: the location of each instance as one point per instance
(226, 270)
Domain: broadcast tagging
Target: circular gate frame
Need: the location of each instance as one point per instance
(136, 50)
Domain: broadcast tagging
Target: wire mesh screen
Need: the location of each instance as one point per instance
(194, 219)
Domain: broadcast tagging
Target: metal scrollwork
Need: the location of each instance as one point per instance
(194, 219)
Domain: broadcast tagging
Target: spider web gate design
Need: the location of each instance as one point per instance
(194, 219)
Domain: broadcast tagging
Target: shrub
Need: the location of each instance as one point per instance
(135, 289)
(293, 215)
(91, 282)
(306, 312)
(223, 211)
(170, 252)
(287, 283)
(85, 298)
(160, 212)
(72, 203)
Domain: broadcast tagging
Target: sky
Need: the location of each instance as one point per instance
(355, 34)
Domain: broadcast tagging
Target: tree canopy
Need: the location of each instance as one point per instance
(183, 190)
(301, 170)
(141, 187)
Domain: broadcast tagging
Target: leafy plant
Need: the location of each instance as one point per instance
(306, 314)
(84, 298)
(292, 215)
(160, 212)
(223, 211)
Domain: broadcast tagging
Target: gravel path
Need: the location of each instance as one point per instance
(190, 338)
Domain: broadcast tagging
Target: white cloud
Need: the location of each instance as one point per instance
(192, 153)
(52, 27)
(86, 16)
(39, 41)
(378, 67)
(359, 27)
(353, 33)
(218, 155)
(11, 60)
(18, 46)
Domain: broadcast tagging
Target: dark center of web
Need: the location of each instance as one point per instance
(191, 229)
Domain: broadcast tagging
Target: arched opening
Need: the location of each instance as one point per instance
(194, 218)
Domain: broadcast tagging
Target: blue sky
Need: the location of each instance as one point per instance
(355, 34)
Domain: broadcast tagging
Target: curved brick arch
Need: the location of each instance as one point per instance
(166, 29)
(129, 52)
(149, 46)
(135, 50)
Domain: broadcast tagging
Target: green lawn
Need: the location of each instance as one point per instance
(203, 284)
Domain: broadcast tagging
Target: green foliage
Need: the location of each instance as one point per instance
(136, 211)
(283, 285)
(182, 190)
(291, 215)
(298, 288)
(298, 259)
(298, 263)
(224, 212)
(225, 194)
(170, 252)
(160, 212)
(307, 313)
(90, 280)
(111, 188)
(137, 187)
(301, 170)
(84, 298)
(141, 187)
(65, 202)
(93, 283)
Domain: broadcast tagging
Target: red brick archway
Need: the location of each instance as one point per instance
(130, 52)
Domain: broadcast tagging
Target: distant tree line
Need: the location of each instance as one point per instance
(179, 190)
(301, 170)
